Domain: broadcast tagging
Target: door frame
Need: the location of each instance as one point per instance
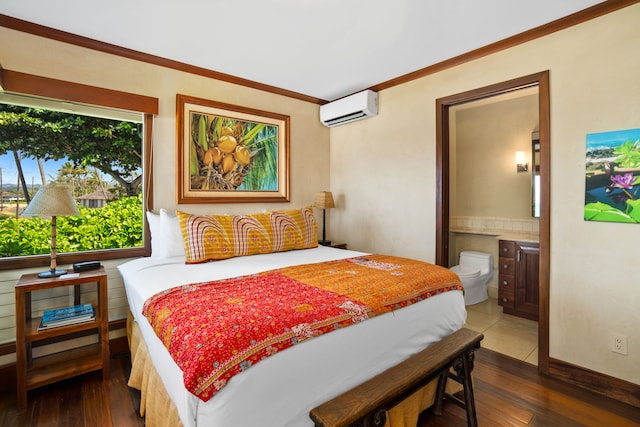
(541, 80)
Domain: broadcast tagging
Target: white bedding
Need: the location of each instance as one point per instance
(281, 390)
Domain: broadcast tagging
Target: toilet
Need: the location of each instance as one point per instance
(475, 271)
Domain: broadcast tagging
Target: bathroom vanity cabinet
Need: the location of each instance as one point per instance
(518, 278)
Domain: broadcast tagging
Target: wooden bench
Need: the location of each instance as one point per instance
(367, 404)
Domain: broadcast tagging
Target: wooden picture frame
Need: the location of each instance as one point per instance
(230, 154)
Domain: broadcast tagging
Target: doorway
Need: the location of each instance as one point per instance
(443, 105)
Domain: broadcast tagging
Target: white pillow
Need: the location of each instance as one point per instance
(156, 236)
(172, 241)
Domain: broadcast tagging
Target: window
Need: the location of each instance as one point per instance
(95, 141)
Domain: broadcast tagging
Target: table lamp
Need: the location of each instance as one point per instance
(49, 202)
(324, 201)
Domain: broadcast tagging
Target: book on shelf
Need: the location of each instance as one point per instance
(67, 316)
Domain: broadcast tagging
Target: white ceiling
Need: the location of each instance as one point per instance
(321, 48)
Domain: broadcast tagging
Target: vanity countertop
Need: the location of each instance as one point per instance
(519, 237)
(500, 234)
(475, 231)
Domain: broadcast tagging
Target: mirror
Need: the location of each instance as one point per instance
(535, 174)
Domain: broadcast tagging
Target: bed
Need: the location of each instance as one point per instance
(281, 389)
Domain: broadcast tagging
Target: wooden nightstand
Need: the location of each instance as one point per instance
(40, 371)
(338, 245)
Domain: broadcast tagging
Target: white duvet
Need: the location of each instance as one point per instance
(281, 390)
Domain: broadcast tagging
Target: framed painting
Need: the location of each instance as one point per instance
(612, 190)
(231, 154)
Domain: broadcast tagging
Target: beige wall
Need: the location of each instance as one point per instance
(383, 172)
(487, 138)
(309, 148)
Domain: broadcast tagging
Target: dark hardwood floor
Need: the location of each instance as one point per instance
(508, 393)
(82, 401)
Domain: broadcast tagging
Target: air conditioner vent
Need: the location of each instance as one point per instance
(349, 109)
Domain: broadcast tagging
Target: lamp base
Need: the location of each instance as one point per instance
(324, 242)
(51, 273)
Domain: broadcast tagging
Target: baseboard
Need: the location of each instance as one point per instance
(117, 346)
(597, 382)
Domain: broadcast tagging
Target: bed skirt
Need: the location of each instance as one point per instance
(155, 404)
(159, 410)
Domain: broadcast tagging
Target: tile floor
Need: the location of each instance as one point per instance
(510, 335)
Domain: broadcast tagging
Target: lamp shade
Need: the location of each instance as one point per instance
(52, 200)
(324, 200)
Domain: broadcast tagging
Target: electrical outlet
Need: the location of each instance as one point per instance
(619, 344)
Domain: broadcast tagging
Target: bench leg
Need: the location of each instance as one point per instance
(440, 389)
(463, 365)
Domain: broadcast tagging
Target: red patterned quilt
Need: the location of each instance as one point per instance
(217, 329)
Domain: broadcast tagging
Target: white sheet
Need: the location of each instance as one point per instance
(281, 390)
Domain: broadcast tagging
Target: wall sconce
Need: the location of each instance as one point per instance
(521, 165)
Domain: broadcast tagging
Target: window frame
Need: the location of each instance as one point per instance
(28, 84)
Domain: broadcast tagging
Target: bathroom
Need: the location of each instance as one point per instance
(492, 198)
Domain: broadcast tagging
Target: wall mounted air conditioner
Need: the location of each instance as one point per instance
(349, 109)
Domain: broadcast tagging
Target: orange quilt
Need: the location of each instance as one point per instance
(215, 330)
